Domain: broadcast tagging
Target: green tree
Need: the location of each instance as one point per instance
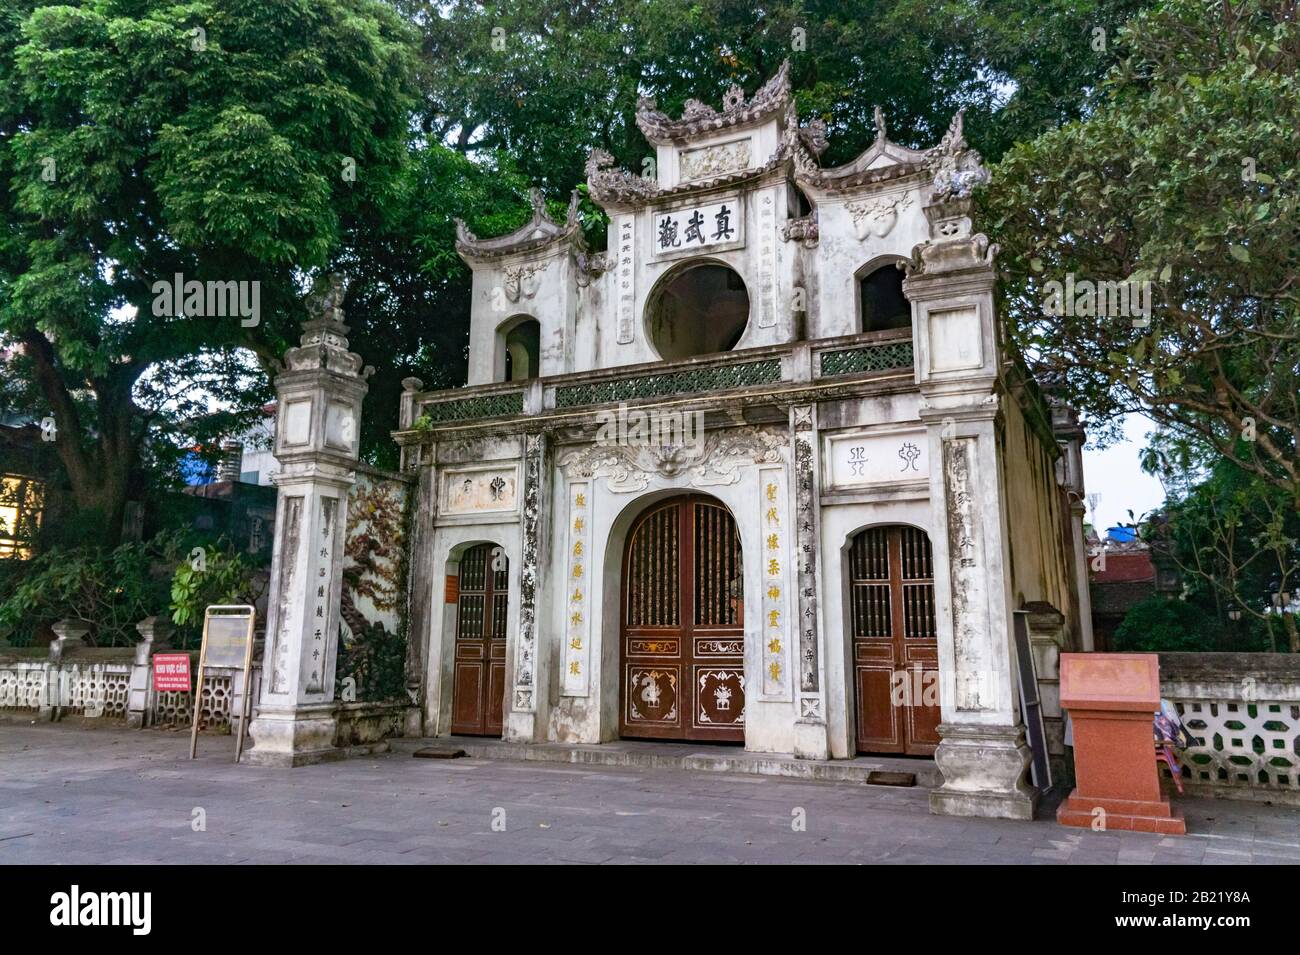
(1234, 536)
(141, 139)
(545, 83)
(1183, 174)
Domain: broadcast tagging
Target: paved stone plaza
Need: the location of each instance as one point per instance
(75, 793)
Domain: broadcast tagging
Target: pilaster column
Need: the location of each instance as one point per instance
(154, 632)
(316, 444)
(810, 734)
(522, 723)
(982, 753)
(420, 597)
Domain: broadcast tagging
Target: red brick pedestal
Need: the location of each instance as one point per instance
(1112, 698)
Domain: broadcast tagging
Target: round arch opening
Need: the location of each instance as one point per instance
(882, 306)
(701, 309)
(519, 348)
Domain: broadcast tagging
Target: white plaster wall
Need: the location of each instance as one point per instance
(598, 345)
(553, 305)
(842, 257)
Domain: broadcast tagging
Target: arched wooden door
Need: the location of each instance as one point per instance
(479, 681)
(895, 648)
(683, 636)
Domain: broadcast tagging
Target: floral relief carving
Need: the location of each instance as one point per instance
(523, 280)
(715, 461)
(717, 160)
(877, 217)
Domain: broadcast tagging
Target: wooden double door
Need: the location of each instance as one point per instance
(482, 597)
(895, 649)
(682, 633)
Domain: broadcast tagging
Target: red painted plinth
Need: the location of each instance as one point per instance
(1112, 698)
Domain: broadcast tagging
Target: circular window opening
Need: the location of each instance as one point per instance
(883, 303)
(701, 310)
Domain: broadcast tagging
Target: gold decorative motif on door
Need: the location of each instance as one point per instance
(683, 638)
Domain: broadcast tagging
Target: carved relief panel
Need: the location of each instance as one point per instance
(861, 460)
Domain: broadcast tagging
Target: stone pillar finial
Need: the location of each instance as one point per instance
(71, 632)
(154, 632)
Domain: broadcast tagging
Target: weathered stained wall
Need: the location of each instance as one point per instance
(1038, 524)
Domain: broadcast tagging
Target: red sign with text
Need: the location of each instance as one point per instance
(171, 672)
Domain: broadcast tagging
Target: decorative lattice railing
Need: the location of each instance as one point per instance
(722, 377)
(498, 404)
(216, 702)
(877, 356)
(1243, 711)
(98, 689)
(757, 367)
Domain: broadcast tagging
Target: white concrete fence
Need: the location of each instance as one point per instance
(118, 684)
(1243, 709)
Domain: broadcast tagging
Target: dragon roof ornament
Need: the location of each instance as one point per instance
(607, 183)
(539, 231)
(698, 118)
(957, 168)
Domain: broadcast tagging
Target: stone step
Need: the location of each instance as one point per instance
(689, 756)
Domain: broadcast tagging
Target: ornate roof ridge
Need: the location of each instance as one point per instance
(955, 168)
(539, 231)
(698, 118)
(800, 144)
(608, 185)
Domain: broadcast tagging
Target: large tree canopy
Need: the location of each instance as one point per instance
(141, 139)
(545, 82)
(1184, 175)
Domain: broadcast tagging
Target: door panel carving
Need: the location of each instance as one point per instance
(683, 639)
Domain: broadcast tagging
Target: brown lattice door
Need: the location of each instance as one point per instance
(683, 638)
(479, 681)
(895, 651)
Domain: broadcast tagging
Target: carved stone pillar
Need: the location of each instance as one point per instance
(810, 733)
(522, 723)
(317, 431)
(982, 755)
(419, 585)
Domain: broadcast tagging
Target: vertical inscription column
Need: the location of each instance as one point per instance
(810, 725)
(769, 293)
(775, 654)
(625, 277)
(574, 681)
(522, 722)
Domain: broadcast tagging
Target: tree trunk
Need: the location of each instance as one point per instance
(99, 475)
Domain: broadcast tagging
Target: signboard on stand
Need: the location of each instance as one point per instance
(227, 642)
